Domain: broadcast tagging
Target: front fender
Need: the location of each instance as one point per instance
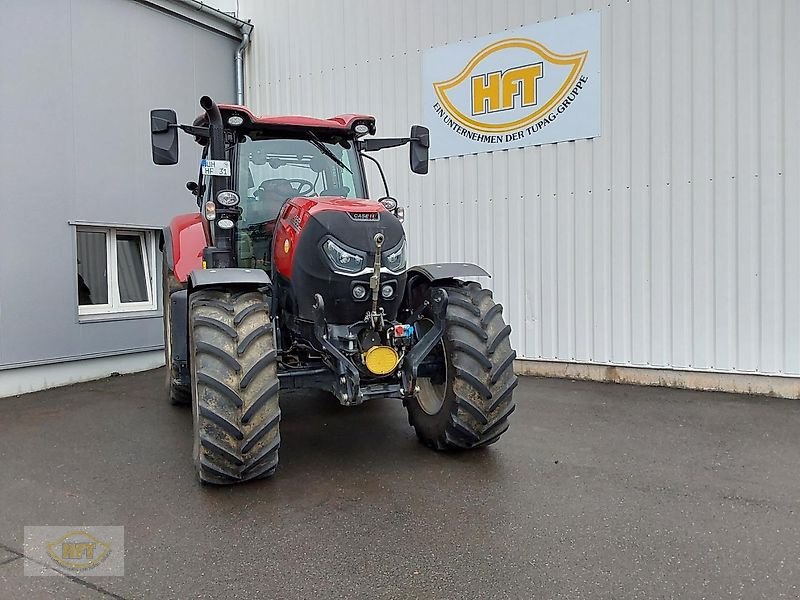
(422, 277)
(435, 271)
(183, 244)
(205, 278)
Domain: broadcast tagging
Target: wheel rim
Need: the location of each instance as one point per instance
(430, 396)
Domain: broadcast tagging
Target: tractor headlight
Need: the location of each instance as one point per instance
(395, 259)
(341, 259)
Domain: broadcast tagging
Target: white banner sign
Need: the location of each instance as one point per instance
(534, 85)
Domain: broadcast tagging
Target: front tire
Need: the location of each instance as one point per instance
(234, 386)
(468, 404)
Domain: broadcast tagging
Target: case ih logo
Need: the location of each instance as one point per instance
(365, 216)
(510, 89)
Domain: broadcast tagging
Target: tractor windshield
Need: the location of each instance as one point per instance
(273, 170)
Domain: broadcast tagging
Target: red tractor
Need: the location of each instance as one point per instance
(288, 277)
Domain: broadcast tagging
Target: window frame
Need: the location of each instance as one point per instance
(115, 306)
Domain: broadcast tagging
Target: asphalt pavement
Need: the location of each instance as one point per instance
(596, 491)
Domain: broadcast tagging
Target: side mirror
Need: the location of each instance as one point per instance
(420, 143)
(164, 136)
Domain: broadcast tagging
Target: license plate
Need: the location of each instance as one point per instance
(220, 168)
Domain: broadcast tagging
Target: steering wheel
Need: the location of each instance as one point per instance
(286, 188)
(304, 187)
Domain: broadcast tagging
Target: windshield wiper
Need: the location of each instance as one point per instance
(326, 151)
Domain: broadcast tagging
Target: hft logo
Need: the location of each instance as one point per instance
(498, 90)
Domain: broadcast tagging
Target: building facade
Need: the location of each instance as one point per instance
(662, 250)
(83, 201)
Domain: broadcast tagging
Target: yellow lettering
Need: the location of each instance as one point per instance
(486, 90)
(72, 550)
(521, 81)
(497, 90)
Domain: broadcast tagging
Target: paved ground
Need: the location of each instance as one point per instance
(596, 491)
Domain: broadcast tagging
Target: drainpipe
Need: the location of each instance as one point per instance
(240, 65)
(245, 28)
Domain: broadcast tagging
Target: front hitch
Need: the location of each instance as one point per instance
(348, 384)
(437, 310)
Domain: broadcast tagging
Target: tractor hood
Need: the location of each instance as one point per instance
(306, 224)
(355, 222)
(339, 203)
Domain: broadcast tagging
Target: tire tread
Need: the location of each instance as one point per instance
(235, 386)
(483, 379)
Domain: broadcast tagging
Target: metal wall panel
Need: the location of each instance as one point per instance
(669, 241)
(76, 86)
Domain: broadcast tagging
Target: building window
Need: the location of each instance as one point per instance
(116, 270)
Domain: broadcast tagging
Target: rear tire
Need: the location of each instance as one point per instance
(179, 395)
(469, 405)
(234, 386)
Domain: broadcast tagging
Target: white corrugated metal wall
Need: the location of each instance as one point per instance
(670, 241)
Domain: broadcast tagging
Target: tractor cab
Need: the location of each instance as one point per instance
(267, 161)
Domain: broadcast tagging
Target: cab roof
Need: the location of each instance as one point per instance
(338, 126)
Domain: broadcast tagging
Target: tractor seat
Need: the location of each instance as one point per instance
(342, 191)
(269, 198)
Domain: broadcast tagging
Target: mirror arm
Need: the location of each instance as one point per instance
(201, 132)
(373, 144)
